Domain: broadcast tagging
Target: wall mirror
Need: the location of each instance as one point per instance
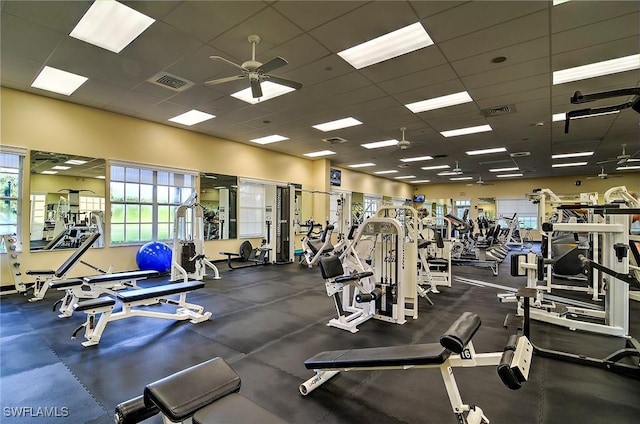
(67, 194)
(218, 197)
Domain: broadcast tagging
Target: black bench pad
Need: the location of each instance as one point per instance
(236, 409)
(391, 356)
(159, 291)
(63, 284)
(119, 276)
(95, 303)
(180, 395)
(41, 272)
(460, 332)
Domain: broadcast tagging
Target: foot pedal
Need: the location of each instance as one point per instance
(513, 320)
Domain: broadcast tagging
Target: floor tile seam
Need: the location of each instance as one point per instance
(263, 304)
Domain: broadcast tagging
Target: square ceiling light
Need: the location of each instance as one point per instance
(192, 117)
(269, 139)
(111, 25)
(439, 102)
(486, 151)
(362, 165)
(393, 44)
(58, 81)
(598, 69)
(380, 144)
(319, 153)
(466, 131)
(269, 91)
(337, 124)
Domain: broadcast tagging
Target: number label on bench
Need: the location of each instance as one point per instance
(466, 354)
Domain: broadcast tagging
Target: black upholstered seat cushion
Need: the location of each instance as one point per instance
(421, 354)
(159, 291)
(119, 276)
(235, 409)
(63, 284)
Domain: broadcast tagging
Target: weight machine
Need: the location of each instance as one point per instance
(188, 261)
(11, 258)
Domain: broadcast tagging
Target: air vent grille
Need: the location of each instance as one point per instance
(334, 140)
(172, 82)
(499, 110)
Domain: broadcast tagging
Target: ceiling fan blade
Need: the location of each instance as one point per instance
(223, 80)
(273, 64)
(256, 90)
(228, 62)
(282, 81)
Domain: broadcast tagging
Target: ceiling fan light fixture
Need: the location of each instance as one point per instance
(270, 90)
(387, 46)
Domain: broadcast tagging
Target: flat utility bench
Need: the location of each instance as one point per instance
(206, 393)
(134, 303)
(93, 286)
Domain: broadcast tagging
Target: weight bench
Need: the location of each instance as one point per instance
(455, 349)
(133, 302)
(246, 253)
(206, 393)
(44, 276)
(93, 286)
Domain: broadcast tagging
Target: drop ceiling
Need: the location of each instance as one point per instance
(536, 38)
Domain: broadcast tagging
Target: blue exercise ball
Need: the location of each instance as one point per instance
(154, 256)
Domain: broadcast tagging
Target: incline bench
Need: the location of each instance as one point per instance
(44, 276)
(93, 286)
(132, 303)
(454, 350)
(206, 393)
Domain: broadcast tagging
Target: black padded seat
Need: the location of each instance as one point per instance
(159, 291)
(41, 272)
(236, 409)
(392, 356)
(119, 276)
(99, 302)
(316, 245)
(63, 284)
(422, 243)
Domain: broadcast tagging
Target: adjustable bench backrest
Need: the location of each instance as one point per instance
(331, 267)
(81, 250)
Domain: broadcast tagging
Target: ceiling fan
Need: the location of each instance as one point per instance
(620, 159)
(603, 176)
(404, 144)
(255, 71)
(457, 170)
(479, 182)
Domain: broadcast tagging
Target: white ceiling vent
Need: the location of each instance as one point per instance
(499, 110)
(520, 154)
(170, 81)
(334, 140)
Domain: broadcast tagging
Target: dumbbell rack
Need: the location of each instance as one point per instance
(13, 249)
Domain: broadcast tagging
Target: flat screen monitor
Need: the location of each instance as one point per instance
(335, 177)
(418, 198)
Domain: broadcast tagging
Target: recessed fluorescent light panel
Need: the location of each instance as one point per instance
(571, 155)
(416, 159)
(111, 25)
(379, 144)
(319, 153)
(338, 124)
(420, 181)
(461, 178)
(404, 177)
(362, 165)
(440, 102)
(486, 151)
(58, 81)
(269, 139)
(60, 167)
(558, 2)
(627, 168)
(563, 116)
(597, 69)
(191, 118)
(466, 131)
(269, 91)
(564, 165)
(49, 172)
(396, 43)
(392, 171)
(101, 177)
(515, 168)
(508, 175)
(429, 168)
(447, 173)
(76, 162)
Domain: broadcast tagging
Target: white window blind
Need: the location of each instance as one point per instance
(527, 211)
(252, 209)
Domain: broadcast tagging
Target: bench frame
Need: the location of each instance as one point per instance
(184, 311)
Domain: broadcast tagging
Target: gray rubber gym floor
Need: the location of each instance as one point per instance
(266, 321)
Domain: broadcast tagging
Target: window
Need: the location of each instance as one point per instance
(10, 183)
(527, 212)
(371, 205)
(460, 206)
(143, 202)
(252, 209)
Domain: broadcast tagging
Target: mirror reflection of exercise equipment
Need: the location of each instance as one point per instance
(218, 197)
